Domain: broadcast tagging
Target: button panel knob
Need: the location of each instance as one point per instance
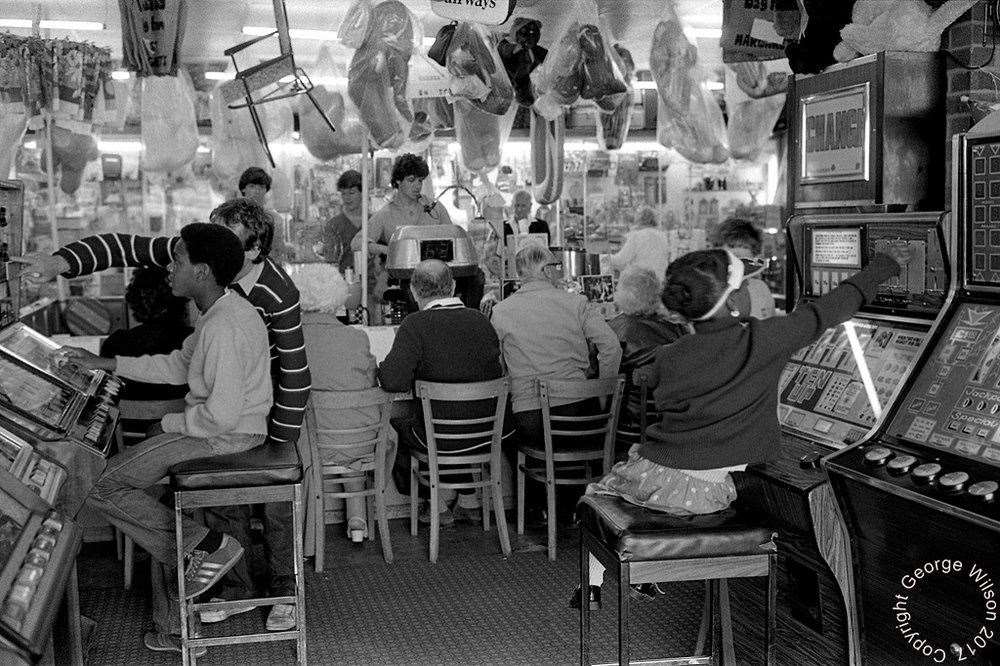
(901, 464)
(877, 455)
(925, 473)
(984, 490)
(953, 481)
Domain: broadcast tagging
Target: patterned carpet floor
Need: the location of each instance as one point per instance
(473, 607)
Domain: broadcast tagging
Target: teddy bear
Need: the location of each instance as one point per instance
(896, 25)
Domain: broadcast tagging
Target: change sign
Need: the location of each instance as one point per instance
(834, 135)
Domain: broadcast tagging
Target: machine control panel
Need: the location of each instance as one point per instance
(954, 402)
(982, 214)
(38, 473)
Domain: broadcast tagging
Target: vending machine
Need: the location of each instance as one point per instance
(919, 494)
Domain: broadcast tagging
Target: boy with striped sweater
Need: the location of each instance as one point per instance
(269, 289)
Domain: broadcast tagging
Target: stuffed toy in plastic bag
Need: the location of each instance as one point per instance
(235, 145)
(478, 135)
(814, 51)
(896, 25)
(377, 75)
(477, 72)
(603, 80)
(70, 154)
(169, 126)
(558, 81)
(688, 118)
(548, 158)
(521, 54)
(612, 127)
(751, 119)
(321, 143)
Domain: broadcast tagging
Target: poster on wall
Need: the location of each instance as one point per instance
(835, 135)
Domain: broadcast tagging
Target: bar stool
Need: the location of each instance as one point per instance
(644, 546)
(259, 476)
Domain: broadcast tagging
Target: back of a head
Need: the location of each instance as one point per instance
(736, 232)
(432, 279)
(638, 291)
(215, 245)
(255, 220)
(531, 260)
(695, 281)
(321, 286)
(149, 297)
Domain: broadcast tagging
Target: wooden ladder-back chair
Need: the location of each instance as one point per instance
(481, 456)
(579, 461)
(271, 80)
(373, 471)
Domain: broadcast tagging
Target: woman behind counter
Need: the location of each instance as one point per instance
(340, 360)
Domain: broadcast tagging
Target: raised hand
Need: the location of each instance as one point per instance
(38, 268)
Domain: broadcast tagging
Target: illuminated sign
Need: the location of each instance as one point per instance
(835, 135)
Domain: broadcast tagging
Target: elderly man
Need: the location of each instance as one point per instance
(521, 222)
(545, 333)
(443, 342)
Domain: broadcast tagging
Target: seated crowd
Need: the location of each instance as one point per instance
(245, 367)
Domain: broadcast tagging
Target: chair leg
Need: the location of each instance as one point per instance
(319, 527)
(584, 602)
(716, 652)
(486, 498)
(370, 515)
(519, 472)
(706, 621)
(726, 623)
(383, 524)
(119, 542)
(414, 493)
(182, 603)
(550, 499)
(129, 561)
(300, 578)
(624, 580)
(770, 630)
(496, 495)
(435, 520)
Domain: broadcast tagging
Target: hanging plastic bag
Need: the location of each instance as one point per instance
(558, 81)
(354, 26)
(71, 153)
(438, 52)
(896, 25)
(169, 126)
(700, 138)
(478, 135)
(152, 33)
(751, 119)
(378, 73)
(521, 55)
(547, 157)
(671, 58)
(234, 142)
(321, 143)
(12, 127)
(612, 127)
(477, 72)
(602, 75)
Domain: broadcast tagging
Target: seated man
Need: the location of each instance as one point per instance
(545, 333)
(225, 365)
(443, 342)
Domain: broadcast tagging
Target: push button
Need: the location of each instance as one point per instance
(901, 464)
(877, 455)
(953, 481)
(984, 490)
(926, 473)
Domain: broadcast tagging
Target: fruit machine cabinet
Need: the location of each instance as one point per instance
(38, 548)
(11, 240)
(67, 415)
(919, 494)
(830, 395)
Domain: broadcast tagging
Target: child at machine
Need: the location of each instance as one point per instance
(717, 389)
(753, 299)
(226, 365)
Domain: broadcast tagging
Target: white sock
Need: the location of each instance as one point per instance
(469, 501)
(596, 572)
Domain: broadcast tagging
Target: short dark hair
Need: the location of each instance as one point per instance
(736, 232)
(253, 217)
(408, 164)
(217, 247)
(432, 279)
(150, 299)
(255, 176)
(349, 179)
(694, 282)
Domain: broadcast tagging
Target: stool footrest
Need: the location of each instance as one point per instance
(665, 661)
(242, 603)
(269, 637)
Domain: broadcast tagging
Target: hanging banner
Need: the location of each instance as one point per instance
(835, 135)
(487, 12)
(152, 31)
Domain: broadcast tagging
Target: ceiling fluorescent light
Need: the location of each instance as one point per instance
(120, 75)
(70, 25)
(294, 33)
(15, 23)
(714, 85)
(119, 146)
(219, 76)
(703, 33)
(703, 19)
(644, 85)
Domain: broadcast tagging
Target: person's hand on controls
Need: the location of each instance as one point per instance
(38, 268)
(81, 358)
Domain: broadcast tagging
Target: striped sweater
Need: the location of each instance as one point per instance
(273, 295)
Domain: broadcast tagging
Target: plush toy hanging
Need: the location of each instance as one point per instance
(70, 154)
(521, 54)
(169, 126)
(613, 125)
(477, 73)
(896, 25)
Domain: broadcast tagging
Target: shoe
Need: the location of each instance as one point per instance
(213, 616)
(206, 569)
(424, 516)
(281, 618)
(462, 514)
(645, 591)
(535, 516)
(595, 598)
(357, 530)
(157, 642)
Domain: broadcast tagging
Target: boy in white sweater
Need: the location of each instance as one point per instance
(225, 364)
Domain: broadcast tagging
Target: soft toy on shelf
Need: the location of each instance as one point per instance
(896, 25)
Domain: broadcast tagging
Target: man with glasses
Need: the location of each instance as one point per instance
(546, 332)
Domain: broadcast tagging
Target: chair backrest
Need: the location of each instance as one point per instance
(475, 431)
(603, 421)
(374, 432)
(144, 410)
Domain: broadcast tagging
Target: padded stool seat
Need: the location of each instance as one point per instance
(638, 534)
(263, 466)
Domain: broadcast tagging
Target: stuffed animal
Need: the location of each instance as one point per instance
(70, 154)
(521, 54)
(814, 52)
(896, 25)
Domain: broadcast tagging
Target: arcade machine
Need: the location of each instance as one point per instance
(854, 130)
(919, 494)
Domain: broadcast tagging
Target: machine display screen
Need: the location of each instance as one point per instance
(41, 352)
(443, 250)
(837, 247)
(28, 391)
(954, 403)
(834, 390)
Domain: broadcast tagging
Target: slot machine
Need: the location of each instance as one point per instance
(11, 243)
(830, 395)
(919, 494)
(66, 414)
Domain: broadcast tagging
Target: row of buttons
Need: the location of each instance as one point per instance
(23, 590)
(927, 473)
(100, 416)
